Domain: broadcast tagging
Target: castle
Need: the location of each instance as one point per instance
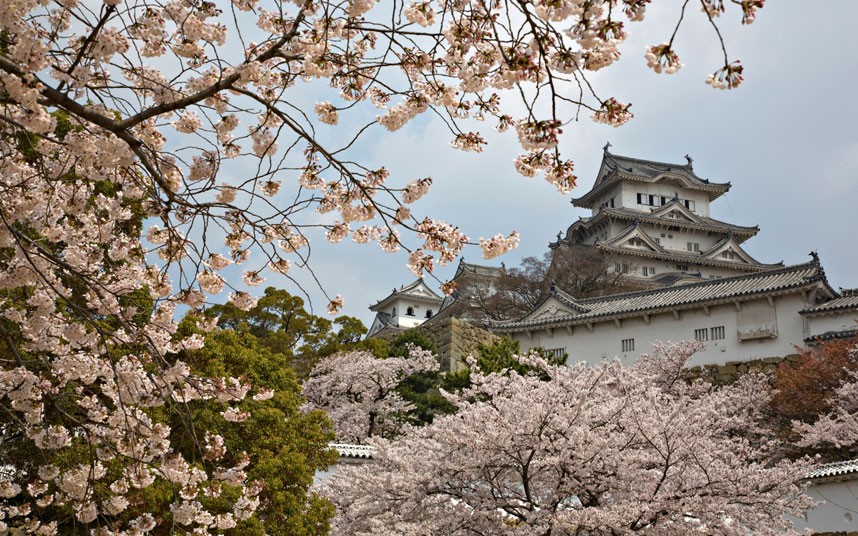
(695, 280)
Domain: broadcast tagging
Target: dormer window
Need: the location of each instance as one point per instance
(409, 311)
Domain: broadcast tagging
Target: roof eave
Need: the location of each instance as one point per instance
(560, 322)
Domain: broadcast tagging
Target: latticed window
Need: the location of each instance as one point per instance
(717, 333)
(628, 345)
(554, 354)
(701, 334)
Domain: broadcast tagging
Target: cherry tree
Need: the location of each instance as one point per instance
(147, 145)
(358, 391)
(580, 450)
(838, 427)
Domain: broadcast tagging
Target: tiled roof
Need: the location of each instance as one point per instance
(686, 258)
(671, 278)
(844, 301)
(684, 296)
(411, 292)
(705, 224)
(650, 168)
(832, 336)
(353, 451)
(613, 166)
(476, 269)
(628, 231)
(383, 320)
(836, 469)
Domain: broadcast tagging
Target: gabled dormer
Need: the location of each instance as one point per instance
(678, 210)
(635, 238)
(556, 305)
(727, 250)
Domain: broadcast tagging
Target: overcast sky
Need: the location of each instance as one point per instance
(787, 140)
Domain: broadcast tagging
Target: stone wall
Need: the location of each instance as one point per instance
(455, 340)
(730, 371)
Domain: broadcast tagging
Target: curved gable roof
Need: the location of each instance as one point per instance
(417, 290)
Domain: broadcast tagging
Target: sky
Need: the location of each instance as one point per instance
(787, 140)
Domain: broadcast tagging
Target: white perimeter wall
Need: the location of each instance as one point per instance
(604, 342)
(838, 511)
(819, 324)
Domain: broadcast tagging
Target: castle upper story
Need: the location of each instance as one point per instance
(653, 219)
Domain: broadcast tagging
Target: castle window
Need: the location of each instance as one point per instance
(728, 255)
(689, 205)
(409, 311)
(621, 267)
(628, 345)
(682, 267)
(693, 246)
(701, 334)
(648, 270)
(555, 355)
(429, 313)
(716, 333)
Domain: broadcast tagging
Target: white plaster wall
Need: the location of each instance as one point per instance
(628, 196)
(604, 342)
(631, 189)
(820, 324)
(838, 511)
(406, 321)
(614, 192)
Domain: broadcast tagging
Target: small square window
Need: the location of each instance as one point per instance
(628, 345)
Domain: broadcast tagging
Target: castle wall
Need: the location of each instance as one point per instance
(455, 340)
(753, 330)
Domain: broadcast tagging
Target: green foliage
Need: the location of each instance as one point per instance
(280, 324)
(422, 389)
(377, 347)
(498, 356)
(399, 345)
(286, 446)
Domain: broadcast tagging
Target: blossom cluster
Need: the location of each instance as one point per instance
(662, 58)
(499, 244)
(727, 77)
(358, 391)
(575, 449)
